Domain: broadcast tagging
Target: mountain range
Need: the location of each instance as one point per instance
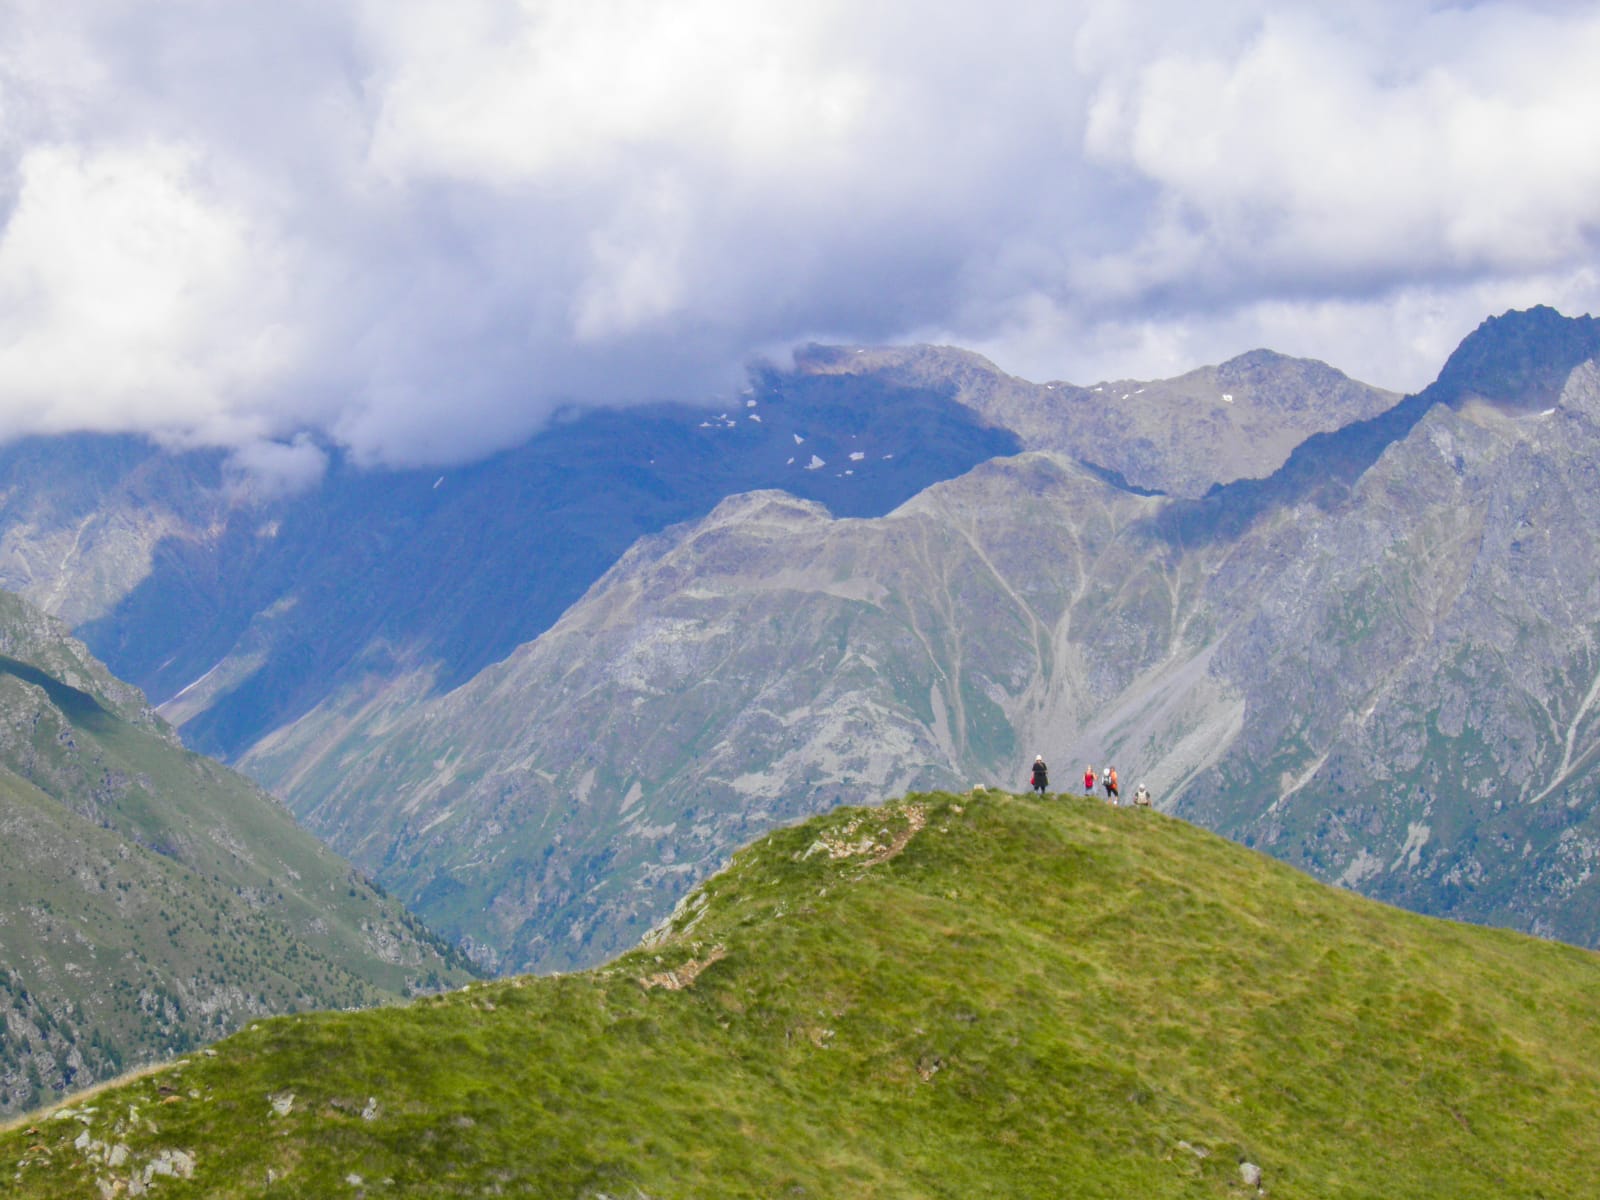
(237, 606)
(539, 697)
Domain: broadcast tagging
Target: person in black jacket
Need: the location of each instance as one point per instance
(1041, 775)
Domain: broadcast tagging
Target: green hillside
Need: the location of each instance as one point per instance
(151, 899)
(980, 995)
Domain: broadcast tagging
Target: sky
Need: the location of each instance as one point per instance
(415, 229)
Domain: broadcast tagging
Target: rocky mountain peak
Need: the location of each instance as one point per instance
(1519, 360)
(1276, 382)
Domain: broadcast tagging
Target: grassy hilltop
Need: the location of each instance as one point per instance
(950, 996)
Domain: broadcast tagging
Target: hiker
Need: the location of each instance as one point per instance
(1041, 774)
(1141, 798)
(1088, 781)
(1116, 788)
(1108, 780)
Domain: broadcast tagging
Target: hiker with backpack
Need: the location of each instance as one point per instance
(1108, 779)
(1088, 781)
(1141, 798)
(1041, 774)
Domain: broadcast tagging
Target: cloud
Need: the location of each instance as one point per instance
(130, 300)
(416, 229)
(1303, 153)
(268, 469)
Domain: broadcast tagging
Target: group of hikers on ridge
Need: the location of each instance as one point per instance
(1107, 779)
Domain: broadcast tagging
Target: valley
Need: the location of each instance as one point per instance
(152, 900)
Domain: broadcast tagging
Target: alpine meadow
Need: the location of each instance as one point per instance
(947, 995)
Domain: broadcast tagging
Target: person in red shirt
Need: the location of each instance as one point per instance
(1088, 781)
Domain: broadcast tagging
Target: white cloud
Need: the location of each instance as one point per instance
(507, 93)
(1307, 151)
(130, 301)
(1398, 341)
(417, 228)
(636, 272)
(268, 469)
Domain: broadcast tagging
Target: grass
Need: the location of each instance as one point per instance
(982, 995)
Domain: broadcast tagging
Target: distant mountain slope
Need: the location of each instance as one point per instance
(948, 996)
(238, 610)
(1180, 437)
(1424, 679)
(151, 899)
(729, 675)
(1377, 662)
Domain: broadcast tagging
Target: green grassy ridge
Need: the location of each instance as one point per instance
(1032, 998)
